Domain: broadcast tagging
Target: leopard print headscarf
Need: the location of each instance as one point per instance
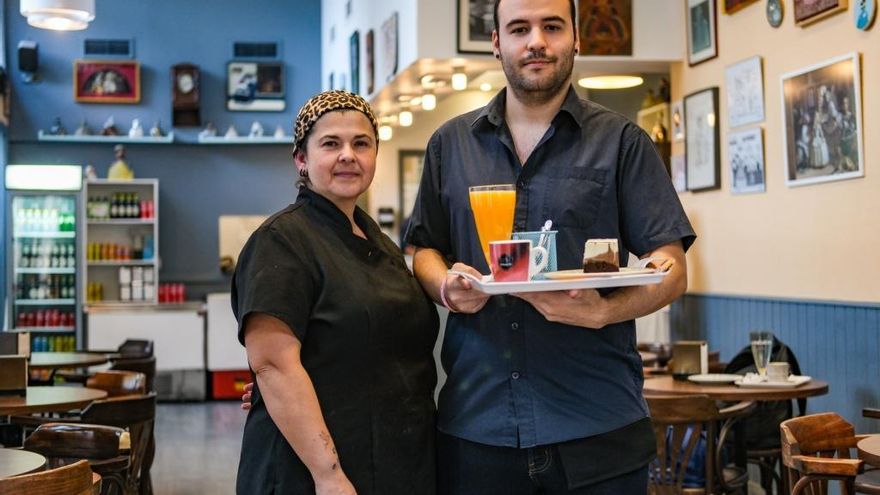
(329, 101)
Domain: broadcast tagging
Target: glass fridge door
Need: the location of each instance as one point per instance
(44, 270)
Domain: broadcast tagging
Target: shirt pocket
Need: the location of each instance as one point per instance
(575, 197)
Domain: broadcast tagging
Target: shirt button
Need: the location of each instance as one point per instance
(521, 184)
(515, 375)
(514, 326)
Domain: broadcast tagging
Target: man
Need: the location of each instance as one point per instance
(543, 393)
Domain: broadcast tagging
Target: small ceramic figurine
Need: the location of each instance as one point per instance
(83, 129)
(256, 130)
(208, 131)
(231, 132)
(57, 128)
(90, 172)
(279, 132)
(119, 169)
(156, 130)
(136, 130)
(109, 128)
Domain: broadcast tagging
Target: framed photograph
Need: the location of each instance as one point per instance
(807, 12)
(822, 122)
(678, 173)
(368, 41)
(731, 6)
(701, 143)
(410, 174)
(475, 25)
(354, 54)
(745, 92)
(605, 27)
(702, 39)
(115, 81)
(389, 47)
(255, 86)
(676, 118)
(745, 153)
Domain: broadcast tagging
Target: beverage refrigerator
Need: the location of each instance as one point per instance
(43, 271)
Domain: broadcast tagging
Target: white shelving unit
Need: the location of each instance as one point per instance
(105, 270)
(69, 138)
(246, 140)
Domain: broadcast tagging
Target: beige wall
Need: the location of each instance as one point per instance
(818, 241)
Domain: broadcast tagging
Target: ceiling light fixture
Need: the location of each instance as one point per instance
(610, 82)
(429, 101)
(385, 132)
(58, 15)
(459, 79)
(485, 87)
(405, 118)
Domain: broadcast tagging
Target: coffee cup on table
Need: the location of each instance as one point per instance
(516, 261)
(778, 371)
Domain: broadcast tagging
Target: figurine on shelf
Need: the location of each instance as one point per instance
(279, 132)
(110, 128)
(156, 130)
(256, 130)
(119, 169)
(83, 129)
(659, 134)
(649, 100)
(663, 91)
(231, 132)
(57, 128)
(137, 130)
(209, 131)
(90, 172)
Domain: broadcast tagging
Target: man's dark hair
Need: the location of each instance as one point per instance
(570, 4)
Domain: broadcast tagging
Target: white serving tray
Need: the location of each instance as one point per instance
(792, 382)
(623, 279)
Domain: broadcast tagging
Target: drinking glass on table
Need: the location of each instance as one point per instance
(762, 346)
(493, 208)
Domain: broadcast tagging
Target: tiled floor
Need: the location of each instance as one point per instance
(197, 448)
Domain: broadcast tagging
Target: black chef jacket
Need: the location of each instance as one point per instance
(367, 331)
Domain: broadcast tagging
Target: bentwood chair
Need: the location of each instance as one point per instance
(816, 450)
(680, 422)
(73, 479)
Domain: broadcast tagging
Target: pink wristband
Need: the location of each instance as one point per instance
(443, 298)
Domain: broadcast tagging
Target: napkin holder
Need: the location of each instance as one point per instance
(13, 375)
(689, 357)
(15, 344)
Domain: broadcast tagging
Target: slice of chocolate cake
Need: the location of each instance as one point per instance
(600, 255)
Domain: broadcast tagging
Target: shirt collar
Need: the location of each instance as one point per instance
(329, 211)
(493, 112)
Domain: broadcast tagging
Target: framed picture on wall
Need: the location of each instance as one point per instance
(702, 39)
(701, 144)
(116, 81)
(731, 6)
(676, 118)
(476, 22)
(368, 41)
(354, 54)
(410, 174)
(745, 92)
(605, 27)
(745, 153)
(255, 86)
(807, 12)
(822, 122)
(678, 173)
(389, 47)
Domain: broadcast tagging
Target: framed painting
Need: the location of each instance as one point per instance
(389, 47)
(116, 81)
(807, 12)
(368, 41)
(354, 54)
(745, 154)
(476, 22)
(255, 86)
(410, 174)
(731, 6)
(745, 92)
(701, 143)
(605, 27)
(702, 33)
(822, 122)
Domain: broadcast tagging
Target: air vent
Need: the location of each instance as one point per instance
(243, 49)
(108, 48)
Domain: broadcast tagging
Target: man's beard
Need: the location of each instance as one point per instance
(536, 91)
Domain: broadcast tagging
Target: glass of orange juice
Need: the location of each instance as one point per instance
(493, 208)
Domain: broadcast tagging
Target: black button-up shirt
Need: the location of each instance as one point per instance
(515, 379)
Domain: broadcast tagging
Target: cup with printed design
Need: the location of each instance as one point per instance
(516, 261)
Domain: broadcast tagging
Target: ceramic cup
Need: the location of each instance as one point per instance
(549, 245)
(516, 261)
(777, 371)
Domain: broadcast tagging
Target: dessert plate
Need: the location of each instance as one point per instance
(577, 274)
(714, 378)
(487, 285)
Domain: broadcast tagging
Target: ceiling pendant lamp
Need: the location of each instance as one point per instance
(59, 15)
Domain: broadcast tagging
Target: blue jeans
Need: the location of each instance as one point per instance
(466, 468)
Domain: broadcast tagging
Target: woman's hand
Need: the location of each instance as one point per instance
(246, 398)
(336, 484)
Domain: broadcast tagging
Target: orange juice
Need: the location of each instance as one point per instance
(493, 208)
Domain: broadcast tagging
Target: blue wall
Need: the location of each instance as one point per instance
(197, 182)
(835, 342)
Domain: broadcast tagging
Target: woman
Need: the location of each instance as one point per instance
(337, 330)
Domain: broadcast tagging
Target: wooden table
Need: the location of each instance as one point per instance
(49, 399)
(15, 462)
(869, 450)
(65, 360)
(666, 385)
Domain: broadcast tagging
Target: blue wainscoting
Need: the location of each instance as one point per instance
(835, 342)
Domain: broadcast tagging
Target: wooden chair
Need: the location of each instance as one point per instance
(679, 422)
(130, 349)
(147, 366)
(66, 443)
(73, 479)
(119, 383)
(816, 450)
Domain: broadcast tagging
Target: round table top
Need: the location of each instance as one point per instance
(666, 385)
(15, 462)
(57, 360)
(869, 450)
(49, 399)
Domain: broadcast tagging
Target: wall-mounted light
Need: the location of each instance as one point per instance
(429, 101)
(405, 118)
(58, 15)
(610, 82)
(459, 79)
